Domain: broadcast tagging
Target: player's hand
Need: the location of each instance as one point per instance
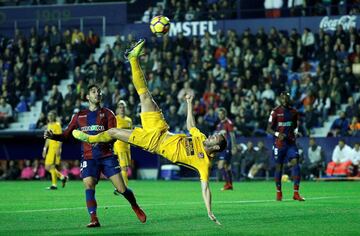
(282, 136)
(189, 98)
(213, 218)
(48, 134)
(44, 153)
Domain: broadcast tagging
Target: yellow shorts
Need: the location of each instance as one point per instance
(153, 131)
(124, 158)
(51, 158)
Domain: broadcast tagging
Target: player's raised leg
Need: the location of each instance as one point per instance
(133, 54)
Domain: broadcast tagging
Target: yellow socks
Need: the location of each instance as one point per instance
(59, 175)
(53, 176)
(138, 76)
(125, 177)
(102, 137)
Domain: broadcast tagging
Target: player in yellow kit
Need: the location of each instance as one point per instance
(122, 149)
(195, 151)
(52, 153)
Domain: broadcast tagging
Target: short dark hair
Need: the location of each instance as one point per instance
(92, 86)
(222, 143)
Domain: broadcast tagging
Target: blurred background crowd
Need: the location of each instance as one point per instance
(242, 72)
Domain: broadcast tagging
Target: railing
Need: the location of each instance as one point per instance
(91, 22)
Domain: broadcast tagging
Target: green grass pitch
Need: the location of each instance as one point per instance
(176, 208)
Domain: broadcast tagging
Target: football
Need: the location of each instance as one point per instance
(285, 178)
(160, 25)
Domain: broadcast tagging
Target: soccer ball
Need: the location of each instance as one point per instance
(160, 25)
(284, 178)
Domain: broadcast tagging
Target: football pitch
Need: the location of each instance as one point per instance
(176, 208)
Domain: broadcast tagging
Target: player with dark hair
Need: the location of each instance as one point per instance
(97, 158)
(226, 126)
(283, 122)
(194, 151)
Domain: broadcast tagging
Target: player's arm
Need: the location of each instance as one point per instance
(206, 193)
(66, 135)
(271, 127)
(190, 120)
(46, 146)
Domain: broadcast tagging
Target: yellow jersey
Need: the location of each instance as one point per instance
(188, 151)
(122, 123)
(55, 127)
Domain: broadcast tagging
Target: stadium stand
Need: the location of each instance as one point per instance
(49, 70)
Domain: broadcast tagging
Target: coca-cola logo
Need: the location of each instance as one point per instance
(330, 24)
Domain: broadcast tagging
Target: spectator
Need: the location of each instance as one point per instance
(211, 118)
(54, 38)
(173, 119)
(341, 160)
(322, 105)
(27, 173)
(273, 8)
(92, 41)
(6, 113)
(261, 160)
(77, 37)
(22, 106)
(41, 123)
(354, 129)
(354, 168)
(12, 171)
(340, 126)
(248, 159)
(308, 42)
(314, 164)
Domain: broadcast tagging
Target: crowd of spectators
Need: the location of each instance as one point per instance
(192, 10)
(31, 65)
(243, 73)
(277, 8)
(52, 2)
(35, 170)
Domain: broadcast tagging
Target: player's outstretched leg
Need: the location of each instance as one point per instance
(103, 137)
(133, 54)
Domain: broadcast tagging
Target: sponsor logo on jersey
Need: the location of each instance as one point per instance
(93, 128)
(287, 123)
(201, 155)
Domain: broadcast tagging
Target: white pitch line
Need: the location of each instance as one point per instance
(163, 204)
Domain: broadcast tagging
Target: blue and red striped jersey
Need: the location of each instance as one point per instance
(227, 126)
(284, 120)
(92, 122)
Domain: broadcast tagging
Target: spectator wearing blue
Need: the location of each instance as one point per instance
(340, 126)
(22, 106)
